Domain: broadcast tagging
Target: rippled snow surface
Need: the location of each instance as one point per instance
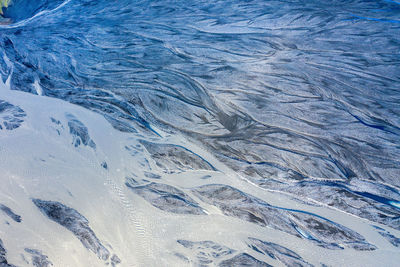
(217, 132)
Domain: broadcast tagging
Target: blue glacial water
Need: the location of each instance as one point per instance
(296, 96)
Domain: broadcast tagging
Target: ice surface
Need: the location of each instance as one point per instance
(79, 132)
(10, 213)
(373, 206)
(275, 251)
(166, 197)
(172, 158)
(75, 222)
(325, 233)
(11, 117)
(108, 214)
(207, 253)
(251, 132)
(38, 259)
(243, 259)
(3, 259)
(395, 241)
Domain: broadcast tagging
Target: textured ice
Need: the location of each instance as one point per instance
(115, 260)
(104, 165)
(295, 103)
(243, 259)
(207, 253)
(79, 132)
(3, 259)
(278, 252)
(38, 259)
(172, 158)
(212, 237)
(25, 9)
(74, 222)
(11, 117)
(152, 175)
(373, 206)
(166, 197)
(395, 241)
(10, 213)
(325, 233)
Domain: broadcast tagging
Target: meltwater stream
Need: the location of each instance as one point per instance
(217, 132)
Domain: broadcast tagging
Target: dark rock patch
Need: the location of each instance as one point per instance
(38, 259)
(167, 198)
(79, 132)
(173, 158)
(104, 165)
(243, 260)
(278, 252)
(10, 213)
(152, 175)
(11, 117)
(115, 260)
(74, 222)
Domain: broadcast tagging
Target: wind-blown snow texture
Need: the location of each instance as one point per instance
(200, 133)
